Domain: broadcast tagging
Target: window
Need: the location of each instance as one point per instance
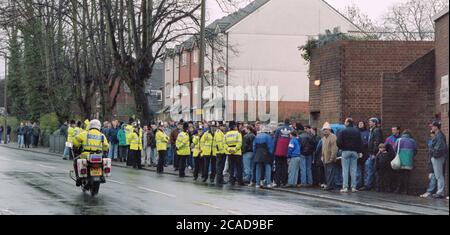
(167, 64)
(220, 77)
(184, 59)
(157, 94)
(195, 56)
(168, 90)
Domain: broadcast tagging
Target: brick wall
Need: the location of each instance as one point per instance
(363, 64)
(407, 100)
(389, 79)
(185, 70)
(326, 66)
(442, 57)
(350, 74)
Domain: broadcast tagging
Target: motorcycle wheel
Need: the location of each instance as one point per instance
(95, 188)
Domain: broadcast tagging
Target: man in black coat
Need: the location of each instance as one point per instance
(375, 139)
(350, 142)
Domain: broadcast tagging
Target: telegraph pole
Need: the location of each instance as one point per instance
(5, 128)
(202, 55)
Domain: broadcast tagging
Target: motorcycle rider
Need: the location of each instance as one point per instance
(91, 141)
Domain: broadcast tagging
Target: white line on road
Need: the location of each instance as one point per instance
(117, 182)
(209, 205)
(155, 191)
(23, 162)
(218, 208)
(6, 212)
(45, 166)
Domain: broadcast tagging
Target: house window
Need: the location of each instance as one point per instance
(220, 77)
(168, 90)
(195, 56)
(184, 59)
(167, 64)
(157, 94)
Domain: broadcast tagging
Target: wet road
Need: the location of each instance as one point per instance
(34, 183)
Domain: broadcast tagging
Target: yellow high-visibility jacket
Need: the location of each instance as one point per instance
(182, 144)
(206, 144)
(128, 131)
(77, 131)
(161, 140)
(196, 148)
(136, 141)
(70, 134)
(87, 124)
(91, 141)
(218, 147)
(233, 141)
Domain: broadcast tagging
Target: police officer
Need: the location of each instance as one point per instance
(91, 141)
(161, 146)
(233, 149)
(128, 132)
(218, 150)
(198, 160)
(70, 135)
(183, 148)
(136, 146)
(206, 142)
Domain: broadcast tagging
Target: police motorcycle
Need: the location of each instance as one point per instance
(93, 168)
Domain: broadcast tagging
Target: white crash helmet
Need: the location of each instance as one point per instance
(95, 124)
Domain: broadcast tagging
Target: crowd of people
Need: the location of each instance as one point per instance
(350, 158)
(6, 140)
(28, 134)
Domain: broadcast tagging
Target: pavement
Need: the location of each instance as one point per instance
(35, 181)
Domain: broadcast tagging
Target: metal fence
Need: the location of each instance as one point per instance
(57, 143)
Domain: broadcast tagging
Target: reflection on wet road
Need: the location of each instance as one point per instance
(39, 184)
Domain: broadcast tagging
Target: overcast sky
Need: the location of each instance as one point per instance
(373, 8)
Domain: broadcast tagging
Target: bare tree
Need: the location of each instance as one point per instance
(412, 20)
(152, 26)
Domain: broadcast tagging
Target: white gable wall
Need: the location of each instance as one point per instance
(267, 43)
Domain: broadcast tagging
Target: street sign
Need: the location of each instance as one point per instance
(444, 89)
(3, 111)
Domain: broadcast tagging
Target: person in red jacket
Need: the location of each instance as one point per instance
(282, 139)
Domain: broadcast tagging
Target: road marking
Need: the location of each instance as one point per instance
(49, 167)
(218, 208)
(155, 191)
(45, 174)
(234, 212)
(6, 212)
(209, 205)
(23, 162)
(117, 182)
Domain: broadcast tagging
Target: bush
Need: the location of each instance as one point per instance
(48, 124)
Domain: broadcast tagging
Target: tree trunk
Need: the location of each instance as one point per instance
(142, 105)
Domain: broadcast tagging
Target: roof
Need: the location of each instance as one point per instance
(441, 14)
(230, 20)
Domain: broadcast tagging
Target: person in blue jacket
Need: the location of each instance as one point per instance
(263, 147)
(294, 150)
